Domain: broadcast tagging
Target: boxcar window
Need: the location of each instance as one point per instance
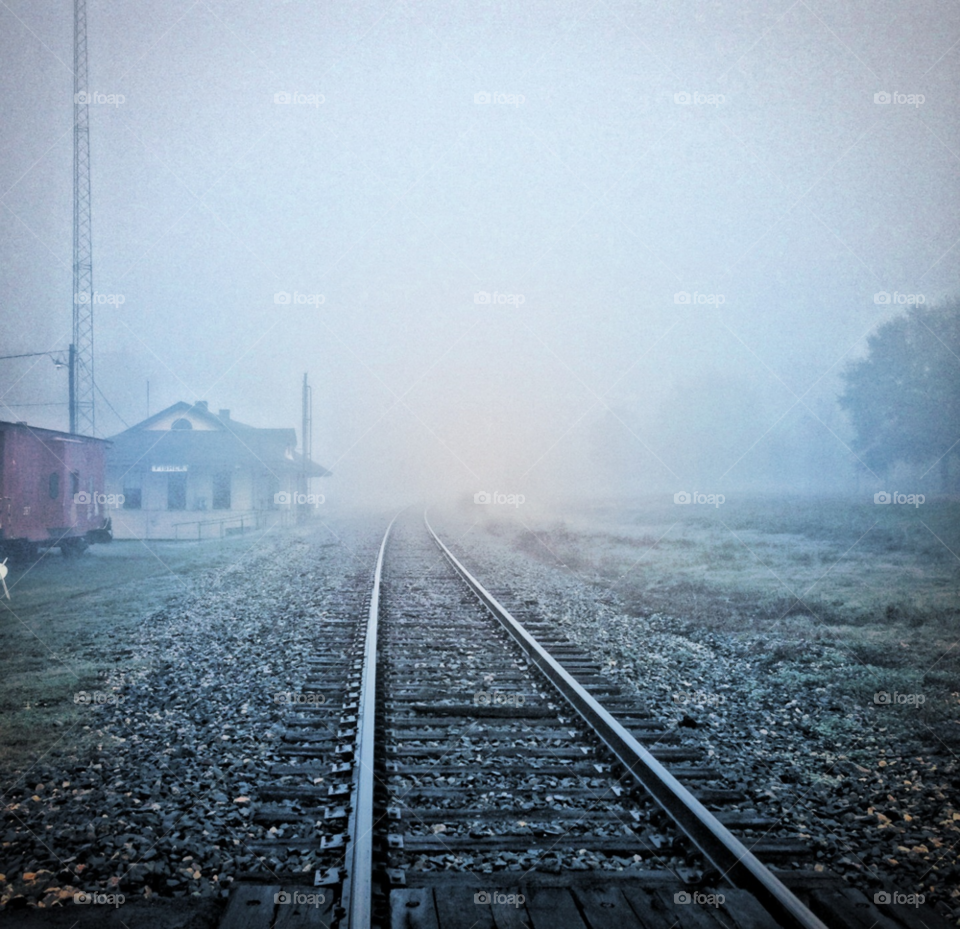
(53, 485)
(74, 482)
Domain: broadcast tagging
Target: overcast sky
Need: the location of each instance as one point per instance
(583, 163)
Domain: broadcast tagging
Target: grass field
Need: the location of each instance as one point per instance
(876, 588)
(67, 628)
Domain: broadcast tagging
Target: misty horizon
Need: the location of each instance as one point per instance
(551, 252)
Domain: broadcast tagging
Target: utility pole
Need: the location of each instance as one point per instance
(306, 434)
(81, 376)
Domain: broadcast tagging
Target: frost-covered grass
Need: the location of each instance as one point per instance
(67, 623)
(840, 561)
(874, 585)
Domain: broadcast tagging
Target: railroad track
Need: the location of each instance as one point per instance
(461, 765)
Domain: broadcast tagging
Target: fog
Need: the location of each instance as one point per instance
(557, 249)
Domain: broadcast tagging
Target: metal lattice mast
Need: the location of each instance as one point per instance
(81, 407)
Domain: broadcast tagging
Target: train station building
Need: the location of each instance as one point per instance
(187, 473)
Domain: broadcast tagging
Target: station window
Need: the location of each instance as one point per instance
(132, 493)
(177, 491)
(221, 490)
(53, 486)
(181, 423)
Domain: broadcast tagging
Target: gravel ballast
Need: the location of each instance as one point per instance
(163, 804)
(874, 791)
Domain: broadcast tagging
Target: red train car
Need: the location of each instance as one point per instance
(51, 491)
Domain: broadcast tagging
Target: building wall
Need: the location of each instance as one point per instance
(171, 525)
(241, 490)
(251, 503)
(153, 490)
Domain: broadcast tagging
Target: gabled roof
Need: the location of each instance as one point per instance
(213, 440)
(180, 409)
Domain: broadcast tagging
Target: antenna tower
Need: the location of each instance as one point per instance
(81, 377)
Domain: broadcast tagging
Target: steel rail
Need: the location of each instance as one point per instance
(735, 862)
(357, 891)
